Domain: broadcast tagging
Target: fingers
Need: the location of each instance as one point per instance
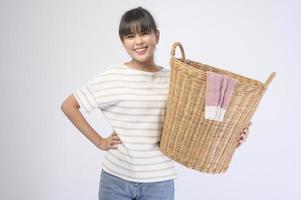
(243, 137)
(248, 126)
(238, 144)
(110, 142)
(245, 132)
(113, 144)
(114, 140)
(113, 147)
(115, 137)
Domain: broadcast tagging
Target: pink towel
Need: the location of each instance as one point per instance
(219, 90)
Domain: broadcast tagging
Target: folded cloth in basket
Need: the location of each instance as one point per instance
(219, 90)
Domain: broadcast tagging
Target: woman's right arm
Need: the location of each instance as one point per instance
(71, 107)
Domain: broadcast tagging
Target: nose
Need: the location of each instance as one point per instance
(138, 39)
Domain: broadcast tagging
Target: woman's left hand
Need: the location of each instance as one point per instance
(244, 134)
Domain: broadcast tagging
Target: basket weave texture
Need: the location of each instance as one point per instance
(190, 139)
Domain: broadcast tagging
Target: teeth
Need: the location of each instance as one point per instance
(140, 49)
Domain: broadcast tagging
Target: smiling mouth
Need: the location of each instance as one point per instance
(141, 50)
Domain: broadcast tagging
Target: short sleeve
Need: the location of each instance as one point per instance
(93, 93)
(85, 97)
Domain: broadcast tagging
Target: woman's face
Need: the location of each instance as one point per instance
(141, 46)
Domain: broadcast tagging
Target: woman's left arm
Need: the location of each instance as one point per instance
(244, 134)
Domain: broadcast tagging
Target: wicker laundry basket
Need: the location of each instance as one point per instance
(190, 139)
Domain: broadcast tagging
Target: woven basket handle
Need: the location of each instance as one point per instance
(173, 50)
(269, 80)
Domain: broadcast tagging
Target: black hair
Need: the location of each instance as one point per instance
(136, 20)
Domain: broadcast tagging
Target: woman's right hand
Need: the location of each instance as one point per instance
(109, 142)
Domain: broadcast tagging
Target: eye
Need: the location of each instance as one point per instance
(129, 36)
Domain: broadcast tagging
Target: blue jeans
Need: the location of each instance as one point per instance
(114, 188)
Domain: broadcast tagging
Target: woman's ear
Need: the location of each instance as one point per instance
(157, 36)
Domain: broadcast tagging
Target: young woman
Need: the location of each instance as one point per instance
(132, 97)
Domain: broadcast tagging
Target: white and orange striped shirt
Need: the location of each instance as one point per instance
(133, 102)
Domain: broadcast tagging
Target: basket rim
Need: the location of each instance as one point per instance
(241, 77)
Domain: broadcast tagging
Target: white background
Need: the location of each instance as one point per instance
(50, 48)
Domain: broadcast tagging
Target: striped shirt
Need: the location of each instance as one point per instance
(133, 102)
